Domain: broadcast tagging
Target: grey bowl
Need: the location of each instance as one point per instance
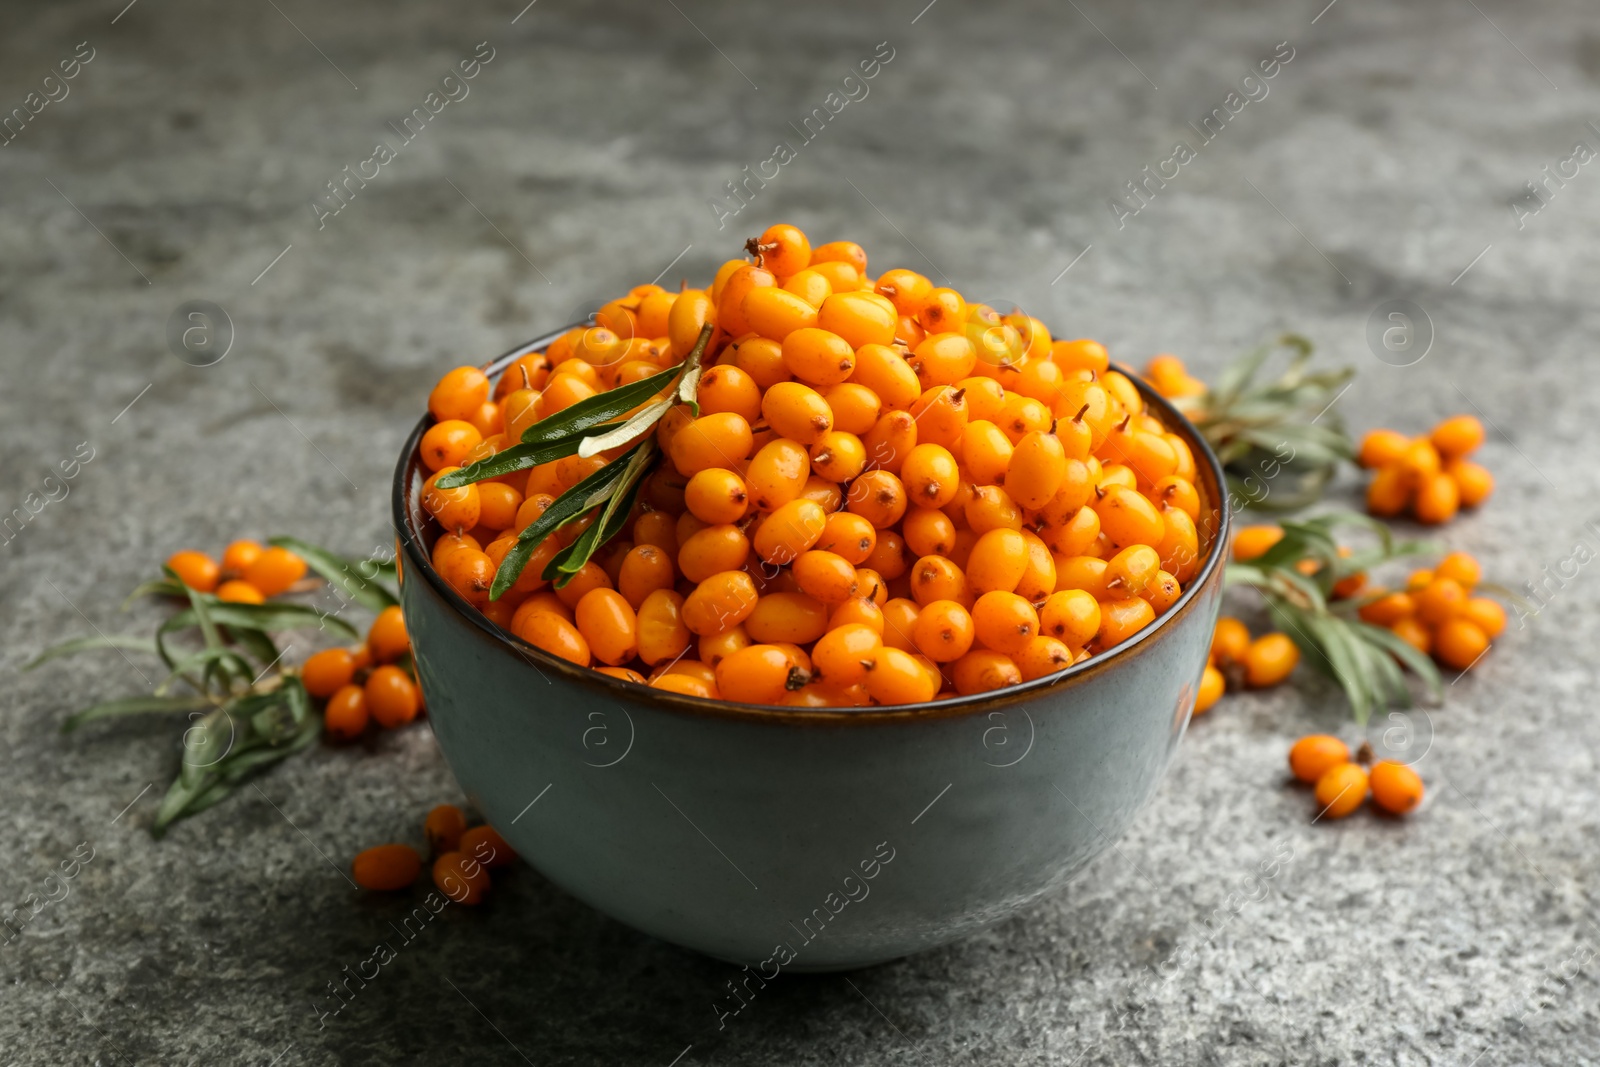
(792, 839)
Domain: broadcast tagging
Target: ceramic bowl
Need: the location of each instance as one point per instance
(801, 840)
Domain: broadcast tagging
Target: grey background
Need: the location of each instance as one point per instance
(1384, 163)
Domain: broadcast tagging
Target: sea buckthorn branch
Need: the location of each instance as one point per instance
(244, 716)
(619, 504)
(1297, 577)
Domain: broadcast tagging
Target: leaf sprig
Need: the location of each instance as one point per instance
(1365, 660)
(586, 429)
(243, 715)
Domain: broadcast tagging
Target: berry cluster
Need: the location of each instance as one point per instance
(1238, 660)
(1342, 783)
(1429, 475)
(462, 857)
(1437, 614)
(373, 680)
(248, 573)
(887, 495)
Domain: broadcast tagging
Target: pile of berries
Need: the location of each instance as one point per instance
(1169, 377)
(1430, 476)
(1437, 614)
(1236, 660)
(889, 495)
(462, 858)
(1342, 783)
(248, 573)
(371, 681)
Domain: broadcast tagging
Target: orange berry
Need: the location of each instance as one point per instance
(1437, 500)
(1072, 616)
(447, 443)
(1210, 691)
(759, 674)
(885, 371)
(1413, 633)
(717, 440)
(469, 572)
(1455, 437)
(325, 673)
(1382, 448)
(777, 474)
(858, 318)
(998, 561)
(825, 576)
(1389, 491)
(1315, 754)
(1004, 621)
(1462, 567)
(386, 868)
(783, 617)
(849, 536)
(1420, 460)
(897, 677)
(1388, 609)
(1230, 641)
(1127, 518)
(391, 696)
(879, 497)
(608, 623)
(838, 456)
(484, 844)
(1042, 656)
(1253, 541)
(236, 591)
(194, 569)
(719, 603)
(1341, 789)
(238, 556)
(943, 359)
(1087, 573)
(983, 670)
(455, 509)
(786, 533)
(662, 633)
(855, 407)
(818, 356)
(1396, 788)
(1458, 643)
(1486, 615)
(891, 440)
(1132, 570)
(783, 249)
(345, 716)
(937, 578)
(387, 639)
(1121, 619)
(546, 630)
(459, 394)
(944, 631)
(460, 877)
(1440, 600)
(1036, 470)
(1473, 483)
(443, 828)
(845, 654)
(991, 508)
(1270, 659)
(712, 550)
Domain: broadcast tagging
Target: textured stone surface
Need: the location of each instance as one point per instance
(1384, 159)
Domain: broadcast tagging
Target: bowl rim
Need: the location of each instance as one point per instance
(419, 562)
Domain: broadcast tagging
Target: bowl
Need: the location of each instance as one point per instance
(803, 840)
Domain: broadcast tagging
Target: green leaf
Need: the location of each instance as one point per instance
(257, 643)
(207, 742)
(340, 572)
(647, 417)
(515, 458)
(154, 587)
(270, 617)
(570, 560)
(125, 642)
(138, 706)
(603, 407)
(1408, 654)
(590, 492)
(206, 659)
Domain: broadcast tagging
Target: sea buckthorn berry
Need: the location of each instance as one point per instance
(727, 388)
(890, 441)
(1459, 643)
(719, 440)
(782, 249)
(1164, 592)
(943, 359)
(461, 878)
(1036, 470)
(1038, 579)
(1419, 580)
(469, 572)
(1341, 789)
(1387, 609)
(1075, 536)
(1080, 355)
(447, 443)
(878, 497)
(1381, 448)
(719, 603)
(1473, 483)
(624, 673)
(1127, 518)
(998, 561)
(937, 578)
(717, 495)
(858, 318)
(459, 394)
(1270, 659)
(983, 397)
(1396, 788)
(776, 313)
(855, 407)
(386, 868)
(662, 633)
(776, 474)
(590, 576)
(1389, 491)
(608, 623)
(1315, 754)
(1021, 416)
(1455, 437)
(275, 570)
(692, 309)
(928, 532)
(391, 696)
(1087, 573)
(759, 674)
(791, 617)
(983, 670)
(443, 828)
(1252, 542)
(1121, 619)
(906, 289)
(1042, 656)
(1116, 474)
(498, 504)
(196, 570)
(1004, 621)
(789, 531)
(818, 356)
(236, 591)
(1437, 500)
(849, 536)
(930, 476)
(825, 576)
(886, 372)
(809, 285)
(1211, 688)
(238, 556)
(1230, 641)
(897, 677)
(1461, 567)
(1420, 460)
(564, 390)
(712, 550)
(944, 631)
(326, 672)
(1072, 616)
(1414, 633)
(730, 299)
(346, 713)
(991, 508)
(838, 457)
(715, 648)
(484, 844)
(1130, 571)
(548, 631)
(454, 509)
(1440, 600)
(1180, 545)
(941, 415)
(687, 685)
(859, 610)
(1486, 615)
(845, 654)
(797, 412)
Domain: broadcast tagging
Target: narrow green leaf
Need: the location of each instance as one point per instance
(647, 417)
(202, 615)
(588, 493)
(126, 642)
(270, 617)
(205, 660)
(1418, 663)
(154, 587)
(137, 706)
(207, 742)
(571, 559)
(340, 572)
(255, 642)
(515, 458)
(179, 796)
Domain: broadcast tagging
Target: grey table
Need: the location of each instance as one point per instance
(189, 158)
